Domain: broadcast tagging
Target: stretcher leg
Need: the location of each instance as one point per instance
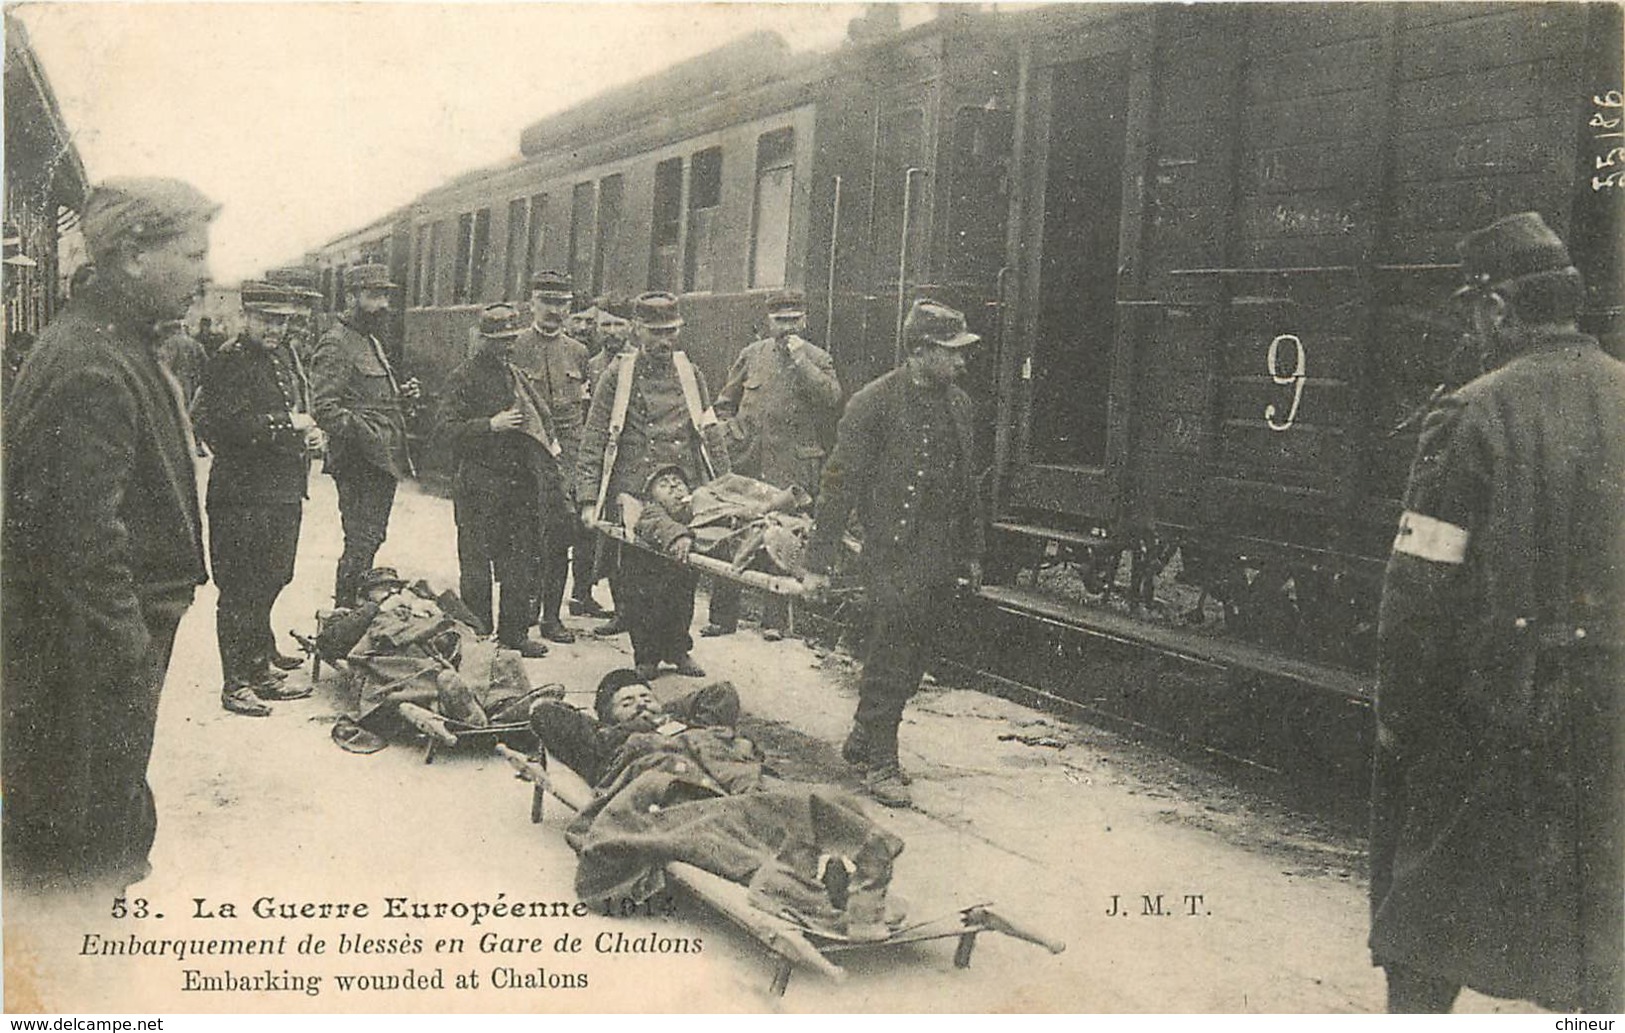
(782, 971)
(962, 953)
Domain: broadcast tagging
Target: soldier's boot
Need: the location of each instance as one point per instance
(855, 751)
(614, 626)
(868, 916)
(237, 696)
(885, 783)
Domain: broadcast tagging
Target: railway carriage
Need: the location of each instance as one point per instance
(1207, 248)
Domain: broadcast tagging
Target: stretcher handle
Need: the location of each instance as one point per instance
(432, 725)
(985, 917)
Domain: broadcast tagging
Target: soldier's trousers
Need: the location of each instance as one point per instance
(251, 553)
(724, 610)
(583, 569)
(903, 627)
(655, 597)
(366, 497)
(497, 534)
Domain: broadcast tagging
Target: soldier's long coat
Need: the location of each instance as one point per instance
(778, 403)
(1496, 836)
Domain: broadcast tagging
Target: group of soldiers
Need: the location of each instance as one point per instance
(1497, 837)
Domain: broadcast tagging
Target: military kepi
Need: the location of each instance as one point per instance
(553, 285)
(787, 303)
(270, 299)
(935, 323)
(498, 321)
(657, 310)
(368, 276)
(1516, 249)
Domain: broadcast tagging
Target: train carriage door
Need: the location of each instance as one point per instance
(1078, 262)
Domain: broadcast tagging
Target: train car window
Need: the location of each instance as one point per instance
(979, 191)
(327, 289)
(704, 202)
(465, 251)
(338, 285)
(606, 256)
(583, 200)
(420, 252)
(667, 225)
(1077, 317)
(431, 267)
(513, 263)
(770, 217)
(480, 255)
(535, 241)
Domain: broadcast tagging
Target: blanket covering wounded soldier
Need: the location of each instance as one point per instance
(405, 644)
(679, 782)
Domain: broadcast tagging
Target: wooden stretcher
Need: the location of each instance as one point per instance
(774, 583)
(443, 731)
(793, 945)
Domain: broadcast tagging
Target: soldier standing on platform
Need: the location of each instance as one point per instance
(556, 365)
(1497, 835)
(650, 409)
(904, 461)
(254, 411)
(357, 401)
(613, 333)
(779, 400)
(507, 481)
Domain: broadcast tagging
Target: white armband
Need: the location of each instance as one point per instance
(1430, 539)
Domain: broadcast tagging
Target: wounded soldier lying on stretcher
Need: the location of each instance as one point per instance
(679, 782)
(743, 521)
(404, 644)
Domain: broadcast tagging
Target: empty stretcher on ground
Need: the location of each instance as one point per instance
(792, 945)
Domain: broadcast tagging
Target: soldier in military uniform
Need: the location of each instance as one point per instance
(556, 365)
(507, 481)
(904, 461)
(254, 411)
(780, 397)
(667, 418)
(1496, 838)
(613, 333)
(357, 400)
(299, 284)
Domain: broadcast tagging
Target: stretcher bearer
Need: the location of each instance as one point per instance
(779, 401)
(102, 549)
(506, 484)
(556, 365)
(903, 461)
(613, 330)
(1496, 838)
(254, 411)
(358, 400)
(650, 409)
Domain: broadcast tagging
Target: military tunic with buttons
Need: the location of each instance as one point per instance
(1496, 837)
(557, 367)
(903, 461)
(658, 432)
(777, 403)
(257, 486)
(357, 401)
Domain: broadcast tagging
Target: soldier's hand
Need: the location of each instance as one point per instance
(507, 419)
(681, 548)
(814, 585)
(586, 513)
(315, 440)
(302, 421)
(412, 389)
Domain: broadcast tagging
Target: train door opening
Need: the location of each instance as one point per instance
(1077, 279)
